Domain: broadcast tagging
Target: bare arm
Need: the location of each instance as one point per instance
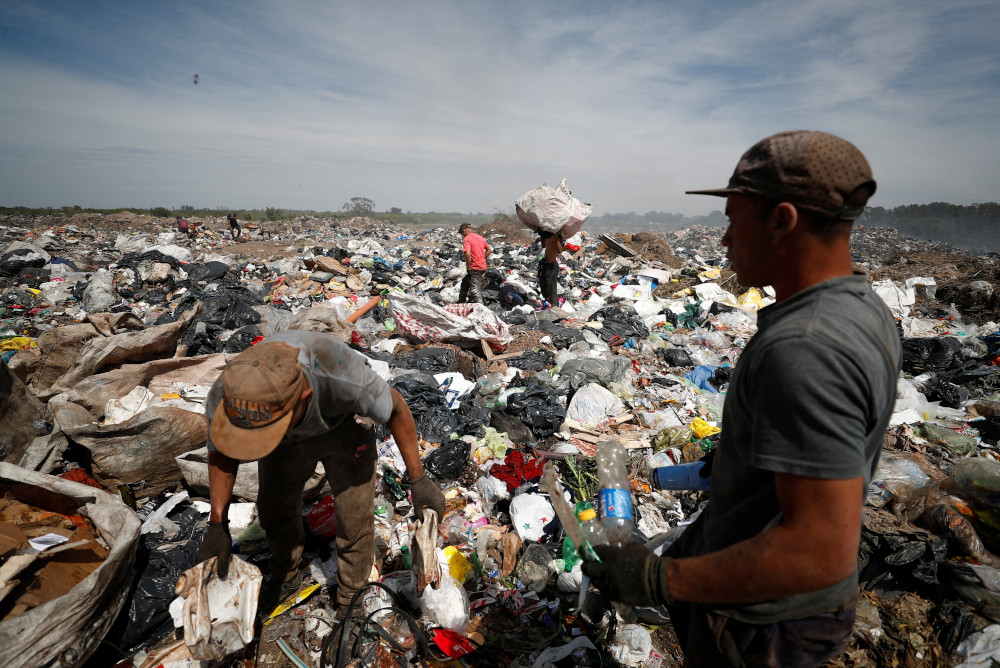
(468, 260)
(404, 430)
(221, 477)
(814, 547)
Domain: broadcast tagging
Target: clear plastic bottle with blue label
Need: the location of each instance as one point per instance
(615, 494)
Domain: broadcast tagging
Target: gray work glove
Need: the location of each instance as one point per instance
(217, 543)
(632, 575)
(425, 493)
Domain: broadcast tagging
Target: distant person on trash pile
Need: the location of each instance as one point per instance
(182, 226)
(548, 267)
(234, 225)
(476, 250)
(293, 400)
(770, 565)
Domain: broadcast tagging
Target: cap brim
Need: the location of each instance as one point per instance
(246, 444)
(717, 192)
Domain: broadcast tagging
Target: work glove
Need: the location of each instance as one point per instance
(217, 543)
(632, 575)
(425, 493)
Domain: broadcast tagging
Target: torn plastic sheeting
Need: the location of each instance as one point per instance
(193, 466)
(68, 629)
(133, 403)
(159, 376)
(141, 448)
(899, 300)
(551, 655)
(323, 318)
(700, 377)
(101, 352)
(424, 321)
(982, 649)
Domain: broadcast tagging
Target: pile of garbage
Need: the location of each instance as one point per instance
(112, 332)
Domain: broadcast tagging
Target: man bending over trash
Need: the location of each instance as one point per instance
(291, 401)
(767, 574)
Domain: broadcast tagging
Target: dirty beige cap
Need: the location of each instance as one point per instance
(260, 389)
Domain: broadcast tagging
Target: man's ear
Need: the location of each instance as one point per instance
(784, 220)
(307, 394)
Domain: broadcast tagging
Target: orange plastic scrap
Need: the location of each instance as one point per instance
(80, 475)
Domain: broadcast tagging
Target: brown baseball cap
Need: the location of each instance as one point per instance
(815, 171)
(260, 389)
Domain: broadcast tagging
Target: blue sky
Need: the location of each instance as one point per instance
(459, 106)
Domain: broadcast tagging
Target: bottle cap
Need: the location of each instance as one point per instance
(586, 514)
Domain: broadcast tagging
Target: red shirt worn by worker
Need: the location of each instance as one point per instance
(476, 246)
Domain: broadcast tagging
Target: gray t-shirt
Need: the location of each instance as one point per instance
(811, 395)
(342, 381)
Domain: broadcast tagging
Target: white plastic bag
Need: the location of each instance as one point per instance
(552, 209)
(529, 513)
(592, 405)
(448, 605)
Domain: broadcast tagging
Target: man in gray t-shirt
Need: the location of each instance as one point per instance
(296, 399)
(767, 575)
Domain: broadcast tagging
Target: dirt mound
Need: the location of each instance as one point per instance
(507, 228)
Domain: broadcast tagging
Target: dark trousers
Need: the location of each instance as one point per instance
(548, 281)
(471, 289)
(349, 455)
(235, 230)
(710, 640)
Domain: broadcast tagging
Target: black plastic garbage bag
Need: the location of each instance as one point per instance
(13, 262)
(209, 271)
(562, 337)
(512, 426)
(948, 394)
(537, 407)
(431, 360)
(132, 260)
(472, 419)
(531, 360)
(32, 277)
(158, 564)
(929, 354)
(617, 321)
(241, 339)
(675, 357)
(448, 462)
(429, 406)
(239, 314)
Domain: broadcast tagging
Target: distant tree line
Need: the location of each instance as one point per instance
(972, 227)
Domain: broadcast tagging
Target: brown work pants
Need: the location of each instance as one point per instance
(348, 454)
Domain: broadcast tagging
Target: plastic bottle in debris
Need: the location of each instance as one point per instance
(614, 495)
(679, 476)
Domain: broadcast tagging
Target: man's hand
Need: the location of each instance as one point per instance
(630, 574)
(426, 494)
(217, 543)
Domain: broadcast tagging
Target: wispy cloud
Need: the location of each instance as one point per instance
(452, 106)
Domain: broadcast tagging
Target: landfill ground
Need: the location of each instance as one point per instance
(113, 328)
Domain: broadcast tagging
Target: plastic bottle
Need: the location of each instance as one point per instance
(679, 476)
(591, 525)
(614, 495)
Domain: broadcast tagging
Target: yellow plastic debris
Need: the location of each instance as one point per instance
(703, 429)
(458, 564)
(17, 343)
(751, 300)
